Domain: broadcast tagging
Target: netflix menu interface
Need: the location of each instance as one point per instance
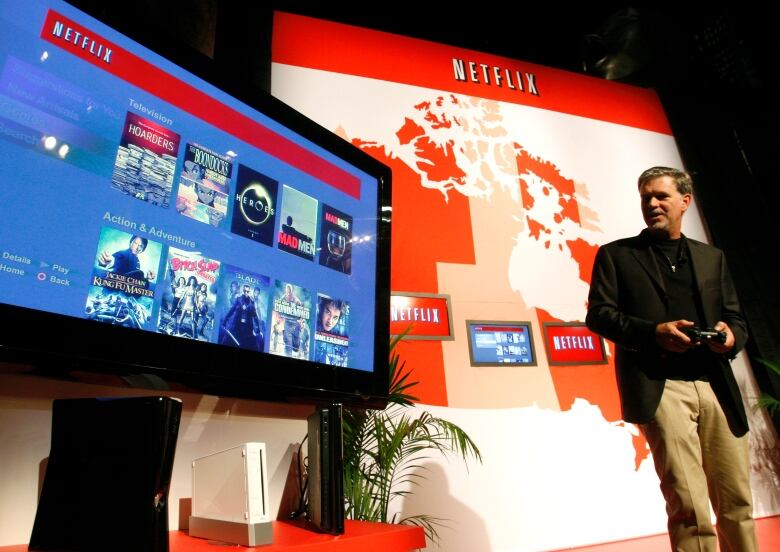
(135, 194)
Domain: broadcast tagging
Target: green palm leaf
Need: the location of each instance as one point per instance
(385, 450)
(768, 402)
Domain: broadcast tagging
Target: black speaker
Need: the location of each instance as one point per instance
(325, 489)
(108, 474)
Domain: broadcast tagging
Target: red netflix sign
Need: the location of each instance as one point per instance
(421, 316)
(574, 343)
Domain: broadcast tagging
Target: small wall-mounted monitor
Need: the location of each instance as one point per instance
(500, 343)
(162, 217)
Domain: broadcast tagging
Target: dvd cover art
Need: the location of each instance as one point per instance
(336, 240)
(298, 227)
(189, 296)
(204, 184)
(119, 308)
(254, 206)
(146, 160)
(331, 338)
(242, 308)
(290, 321)
(123, 280)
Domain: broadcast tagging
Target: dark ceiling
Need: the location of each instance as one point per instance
(639, 44)
(733, 46)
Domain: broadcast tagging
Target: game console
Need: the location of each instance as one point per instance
(230, 496)
(108, 475)
(325, 489)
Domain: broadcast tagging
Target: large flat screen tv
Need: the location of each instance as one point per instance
(160, 219)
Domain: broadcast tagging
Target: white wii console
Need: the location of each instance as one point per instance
(230, 496)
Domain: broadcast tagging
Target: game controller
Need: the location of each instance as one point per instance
(698, 335)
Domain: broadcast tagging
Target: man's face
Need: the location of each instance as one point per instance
(663, 206)
(137, 246)
(330, 317)
(246, 291)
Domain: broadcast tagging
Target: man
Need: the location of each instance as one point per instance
(260, 311)
(289, 296)
(126, 262)
(303, 339)
(241, 325)
(329, 313)
(291, 334)
(646, 295)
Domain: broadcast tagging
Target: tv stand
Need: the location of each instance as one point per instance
(291, 536)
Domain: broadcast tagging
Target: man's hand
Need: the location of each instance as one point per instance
(669, 337)
(724, 347)
(105, 259)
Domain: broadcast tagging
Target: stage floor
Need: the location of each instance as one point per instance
(768, 530)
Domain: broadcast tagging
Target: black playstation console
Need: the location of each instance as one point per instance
(325, 489)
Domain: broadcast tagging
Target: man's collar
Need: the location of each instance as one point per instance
(647, 237)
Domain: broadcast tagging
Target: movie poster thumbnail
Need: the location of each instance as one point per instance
(290, 321)
(146, 160)
(119, 308)
(189, 296)
(123, 279)
(254, 206)
(336, 240)
(126, 262)
(242, 308)
(298, 223)
(331, 338)
(204, 184)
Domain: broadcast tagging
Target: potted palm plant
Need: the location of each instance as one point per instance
(767, 401)
(383, 450)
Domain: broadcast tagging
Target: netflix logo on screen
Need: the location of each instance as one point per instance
(573, 343)
(78, 37)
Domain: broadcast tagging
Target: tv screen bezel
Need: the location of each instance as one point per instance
(79, 346)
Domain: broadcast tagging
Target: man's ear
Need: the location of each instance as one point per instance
(687, 198)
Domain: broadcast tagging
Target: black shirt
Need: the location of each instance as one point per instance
(682, 302)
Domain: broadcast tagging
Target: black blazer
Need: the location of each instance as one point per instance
(627, 300)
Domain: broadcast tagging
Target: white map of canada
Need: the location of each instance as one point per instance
(543, 190)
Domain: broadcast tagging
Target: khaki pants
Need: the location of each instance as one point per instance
(697, 457)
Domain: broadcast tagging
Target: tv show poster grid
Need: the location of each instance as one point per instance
(193, 284)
